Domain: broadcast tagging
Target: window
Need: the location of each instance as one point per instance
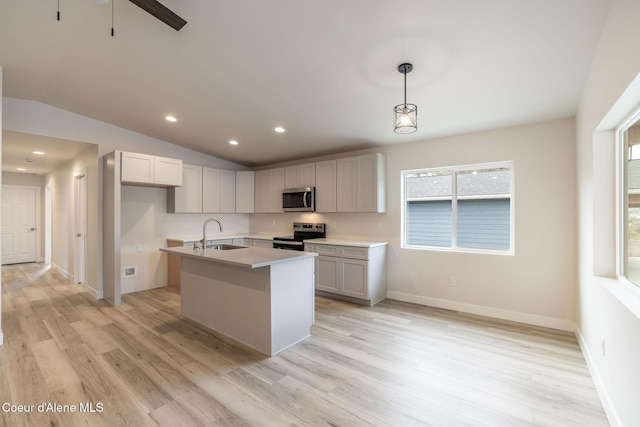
(629, 142)
(465, 208)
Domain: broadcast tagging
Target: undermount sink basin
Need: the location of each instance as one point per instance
(224, 247)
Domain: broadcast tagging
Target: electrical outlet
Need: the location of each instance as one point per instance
(452, 281)
(138, 247)
(603, 345)
(379, 225)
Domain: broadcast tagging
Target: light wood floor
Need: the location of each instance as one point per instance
(393, 364)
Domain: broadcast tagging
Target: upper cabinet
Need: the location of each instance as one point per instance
(300, 176)
(360, 184)
(206, 190)
(269, 184)
(148, 170)
(188, 197)
(218, 190)
(326, 186)
(245, 185)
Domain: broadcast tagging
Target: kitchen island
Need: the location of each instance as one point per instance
(260, 297)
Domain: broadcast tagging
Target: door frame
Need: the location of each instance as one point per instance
(38, 225)
(48, 221)
(80, 268)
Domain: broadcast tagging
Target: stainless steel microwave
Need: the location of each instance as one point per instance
(299, 199)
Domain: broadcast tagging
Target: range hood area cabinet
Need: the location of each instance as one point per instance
(208, 190)
(150, 171)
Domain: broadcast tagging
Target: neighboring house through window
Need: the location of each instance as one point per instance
(464, 208)
(629, 230)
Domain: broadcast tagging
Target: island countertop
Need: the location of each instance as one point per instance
(248, 257)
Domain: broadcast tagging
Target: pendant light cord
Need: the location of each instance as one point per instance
(58, 14)
(113, 31)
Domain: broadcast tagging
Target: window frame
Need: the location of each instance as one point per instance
(622, 190)
(509, 164)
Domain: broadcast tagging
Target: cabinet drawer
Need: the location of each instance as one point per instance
(353, 252)
(328, 250)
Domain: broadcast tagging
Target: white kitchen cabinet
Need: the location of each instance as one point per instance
(263, 243)
(300, 176)
(188, 197)
(326, 186)
(149, 170)
(361, 184)
(353, 273)
(269, 184)
(245, 184)
(218, 190)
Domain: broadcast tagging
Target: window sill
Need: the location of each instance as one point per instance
(626, 292)
(460, 250)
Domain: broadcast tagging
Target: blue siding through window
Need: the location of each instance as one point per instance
(481, 223)
(484, 223)
(428, 223)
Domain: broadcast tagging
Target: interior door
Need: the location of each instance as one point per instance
(18, 225)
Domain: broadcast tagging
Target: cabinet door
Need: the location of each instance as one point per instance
(188, 197)
(276, 185)
(353, 276)
(227, 191)
(370, 183)
(346, 184)
(167, 171)
(327, 273)
(211, 179)
(137, 168)
(269, 186)
(326, 186)
(263, 243)
(262, 191)
(300, 176)
(245, 191)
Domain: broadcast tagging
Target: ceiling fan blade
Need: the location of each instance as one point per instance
(161, 12)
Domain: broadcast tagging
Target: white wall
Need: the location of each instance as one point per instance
(145, 222)
(538, 284)
(608, 307)
(62, 221)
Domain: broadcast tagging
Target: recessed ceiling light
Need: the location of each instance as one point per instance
(233, 142)
(170, 119)
(279, 129)
(39, 153)
(21, 169)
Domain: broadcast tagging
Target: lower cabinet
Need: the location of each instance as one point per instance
(356, 274)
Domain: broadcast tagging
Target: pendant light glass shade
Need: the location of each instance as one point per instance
(405, 116)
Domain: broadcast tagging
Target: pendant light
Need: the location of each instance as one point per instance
(405, 116)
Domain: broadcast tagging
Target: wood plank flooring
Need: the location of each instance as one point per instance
(395, 364)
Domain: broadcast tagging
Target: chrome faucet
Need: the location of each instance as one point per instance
(204, 233)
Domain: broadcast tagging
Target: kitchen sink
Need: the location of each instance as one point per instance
(224, 247)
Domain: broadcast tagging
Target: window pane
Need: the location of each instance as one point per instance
(484, 211)
(429, 223)
(633, 213)
(484, 223)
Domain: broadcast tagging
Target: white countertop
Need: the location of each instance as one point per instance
(210, 237)
(344, 241)
(249, 257)
(339, 241)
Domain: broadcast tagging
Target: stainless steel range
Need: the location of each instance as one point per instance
(301, 231)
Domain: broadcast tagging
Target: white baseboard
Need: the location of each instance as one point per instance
(609, 409)
(94, 293)
(514, 316)
(62, 271)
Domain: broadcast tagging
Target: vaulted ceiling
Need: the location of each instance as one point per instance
(326, 70)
